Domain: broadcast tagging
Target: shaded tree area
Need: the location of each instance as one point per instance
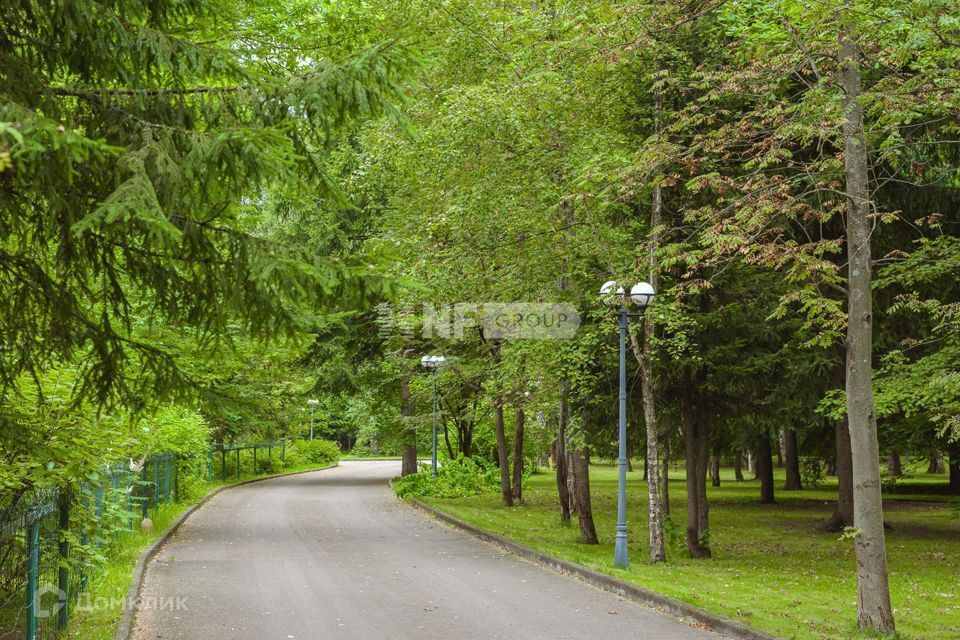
(237, 206)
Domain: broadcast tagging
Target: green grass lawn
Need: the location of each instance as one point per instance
(773, 567)
(97, 613)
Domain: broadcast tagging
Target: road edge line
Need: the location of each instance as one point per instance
(684, 611)
(132, 602)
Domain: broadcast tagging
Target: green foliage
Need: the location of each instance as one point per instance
(200, 205)
(317, 451)
(176, 429)
(457, 478)
(105, 532)
(47, 440)
(135, 136)
(675, 536)
(192, 484)
(812, 472)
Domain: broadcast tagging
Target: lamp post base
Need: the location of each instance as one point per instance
(620, 558)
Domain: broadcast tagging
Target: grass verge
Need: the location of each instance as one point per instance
(96, 614)
(773, 567)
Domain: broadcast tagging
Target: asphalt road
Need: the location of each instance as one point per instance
(332, 554)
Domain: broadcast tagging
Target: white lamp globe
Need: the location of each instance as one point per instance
(642, 293)
(610, 293)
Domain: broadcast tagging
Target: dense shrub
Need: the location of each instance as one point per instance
(455, 479)
(267, 465)
(192, 485)
(294, 456)
(812, 473)
(318, 451)
(183, 431)
(175, 428)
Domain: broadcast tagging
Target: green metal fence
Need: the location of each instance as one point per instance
(49, 540)
(52, 542)
(239, 458)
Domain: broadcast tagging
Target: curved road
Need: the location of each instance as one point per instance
(333, 554)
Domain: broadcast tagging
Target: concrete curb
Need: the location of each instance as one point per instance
(132, 602)
(685, 612)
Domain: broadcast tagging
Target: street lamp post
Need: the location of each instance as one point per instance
(612, 295)
(433, 363)
(313, 404)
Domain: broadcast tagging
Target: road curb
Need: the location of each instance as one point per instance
(682, 610)
(132, 602)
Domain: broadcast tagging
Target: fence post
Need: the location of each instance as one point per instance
(254, 459)
(33, 566)
(176, 479)
(210, 466)
(223, 463)
(238, 463)
(143, 490)
(156, 484)
(63, 547)
(283, 452)
(98, 510)
(132, 479)
(85, 501)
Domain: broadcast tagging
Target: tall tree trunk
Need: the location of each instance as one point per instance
(563, 493)
(665, 479)
(779, 449)
(873, 589)
(690, 449)
(643, 352)
(564, 474)
(843, 512)
(765, 469)
(651, 463)
(843, 463)
(518, 456)
(658, 550)
(571, 480)
(955, 468)
(503, 455)
(408, 462)
(738, 466)
(715, 471)
(751, 464)
(894, 464)
(580, 467)
(703, 455)
(792, 459)
(936, 462)
(446, 437)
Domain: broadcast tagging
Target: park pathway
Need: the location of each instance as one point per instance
(332, 554)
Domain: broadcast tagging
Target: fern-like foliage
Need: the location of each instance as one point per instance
(132, 134)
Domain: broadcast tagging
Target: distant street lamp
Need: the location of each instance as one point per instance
(313, 404)
(613, 296)
(433, 363)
